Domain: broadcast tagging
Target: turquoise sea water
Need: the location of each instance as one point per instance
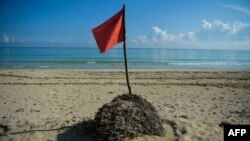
(138, 58)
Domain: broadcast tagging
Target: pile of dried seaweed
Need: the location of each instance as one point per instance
(127, 116)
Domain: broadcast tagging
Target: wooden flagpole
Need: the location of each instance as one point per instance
(124, 51)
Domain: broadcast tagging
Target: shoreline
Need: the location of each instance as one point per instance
(130, 70)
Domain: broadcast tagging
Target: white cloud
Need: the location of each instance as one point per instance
(162, 36)
(5, 38)
(238, 26)
(206, 25)
(143, 39)
(237, 8)
(220, 24)
(223, 35)
(189, 36)
(231, 28)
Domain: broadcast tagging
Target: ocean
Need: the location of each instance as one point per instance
(138, 58)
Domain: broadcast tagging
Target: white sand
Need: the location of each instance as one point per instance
(193, 103)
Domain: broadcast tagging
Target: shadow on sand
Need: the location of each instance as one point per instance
(84, 131)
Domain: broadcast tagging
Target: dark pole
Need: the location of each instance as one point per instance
(124, 50)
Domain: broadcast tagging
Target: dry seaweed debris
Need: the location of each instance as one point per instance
(127, 116)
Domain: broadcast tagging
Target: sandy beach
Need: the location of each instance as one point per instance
(59, 105)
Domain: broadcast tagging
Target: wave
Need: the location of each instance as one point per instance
(91, 62)
(209, 64)
(138, 64)
(43, 66)
(17, 67)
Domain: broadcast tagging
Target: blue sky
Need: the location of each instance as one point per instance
(222, 24)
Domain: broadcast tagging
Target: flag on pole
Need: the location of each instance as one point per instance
(109, 33)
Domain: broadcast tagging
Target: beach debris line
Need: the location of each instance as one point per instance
(110, 33)
(127, 116)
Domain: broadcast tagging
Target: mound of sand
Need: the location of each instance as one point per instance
(128, 116)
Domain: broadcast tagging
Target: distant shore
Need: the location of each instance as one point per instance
(196, 102)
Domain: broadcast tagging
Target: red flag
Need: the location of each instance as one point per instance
(110, 33)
